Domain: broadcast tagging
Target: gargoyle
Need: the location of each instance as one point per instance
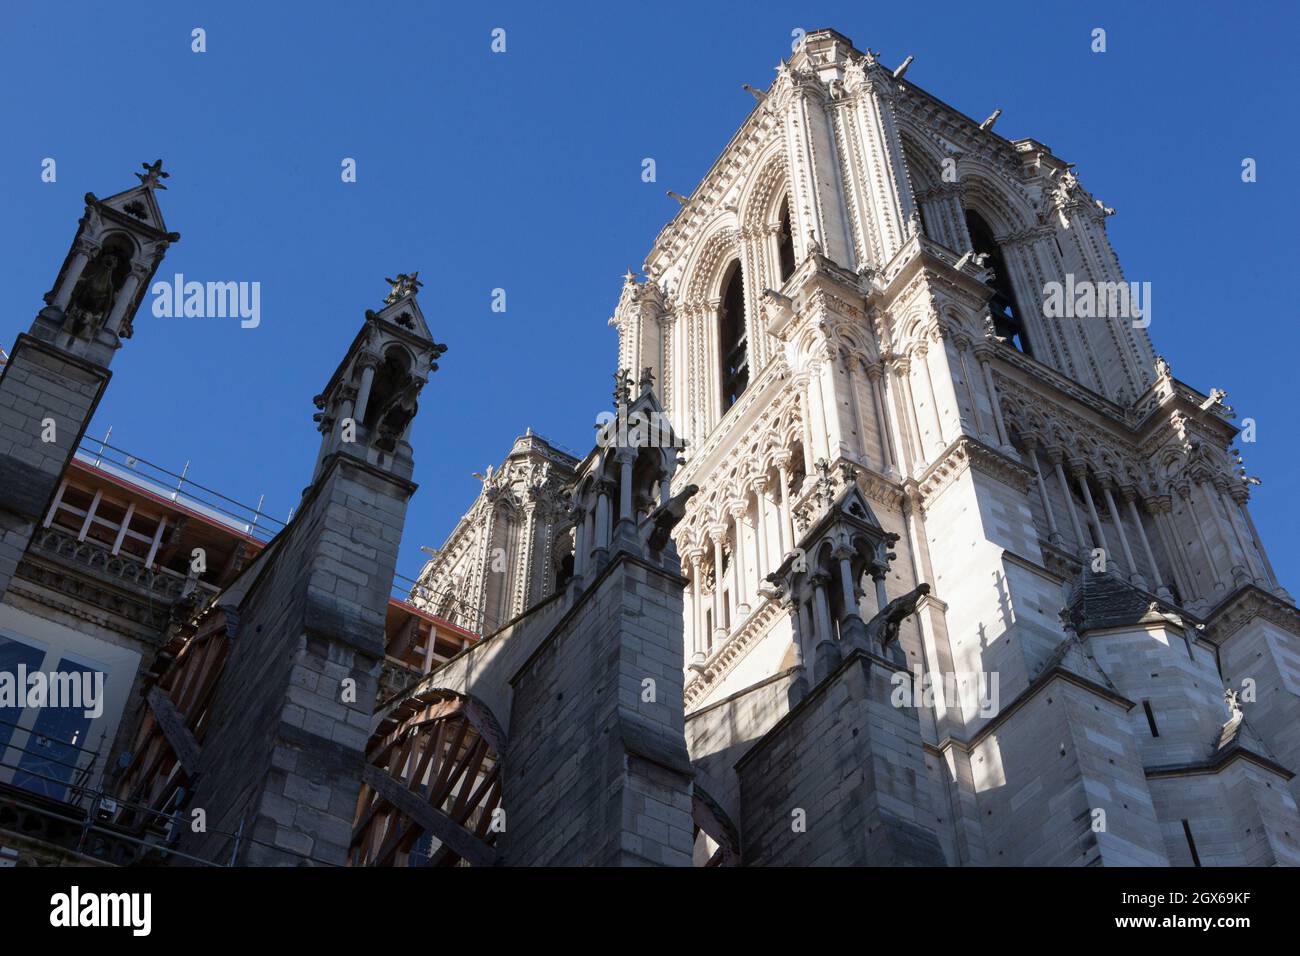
(664, 518)
(883, 628)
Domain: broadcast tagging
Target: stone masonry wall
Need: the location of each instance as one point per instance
(39, 382)
(853, 763)
(597, 770)
(1039, 774)
(285, 751)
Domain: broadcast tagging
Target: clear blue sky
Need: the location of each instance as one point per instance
(522, 171)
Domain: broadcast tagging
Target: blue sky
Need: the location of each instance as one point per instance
(522, 171)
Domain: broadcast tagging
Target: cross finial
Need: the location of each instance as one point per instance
(152, 174)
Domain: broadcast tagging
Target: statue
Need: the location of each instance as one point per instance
(92, 298)
(396, 411)
(814, 247)
(622, 387)
(1230, 698)
(883, 628)
(402, 287)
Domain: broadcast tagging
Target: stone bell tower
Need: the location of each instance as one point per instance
(58, 370)
(870, 286)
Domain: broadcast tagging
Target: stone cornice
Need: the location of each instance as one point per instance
(966, 453)
(1242, 607)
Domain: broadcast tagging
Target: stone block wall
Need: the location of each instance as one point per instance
(1269, 655)
(597, 768)
(39, 382)
(853, 763)
(1039, 773)
(285, 749)
(1241, 815)
(718, 735)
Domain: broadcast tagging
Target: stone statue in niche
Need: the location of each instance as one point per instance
(396, 391)
(92, 298)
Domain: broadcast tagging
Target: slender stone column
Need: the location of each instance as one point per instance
(81, 257)
(1082, 546)
(739, 581)
(367, 363)
(604, 491)
(923, 354)
(716, 532)
(696, 558)
(125, 296)
(1080, 472)
(625, 458)
(903, 369)
(1053, 535)
(1234, 510)
(1207, 553)
(853, 631)
(897, 424)
(1183, 576)
(1134, 574)
(982, 356)
(828, 655)
(1240, 572)
(971, 396)
(1263, 555)
(1130, 498)
(760, 528)
(489, 529)
(799, 686)
(820, 438)
(855, 409)
(784, 529)
(882, 420)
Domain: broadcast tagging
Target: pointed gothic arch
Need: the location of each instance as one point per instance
(733, 340)
(1008, 316)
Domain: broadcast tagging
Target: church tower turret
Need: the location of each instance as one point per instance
(869, 284)
(58, 370)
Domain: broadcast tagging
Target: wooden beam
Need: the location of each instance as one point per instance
(444, 829)
(126, 525)
(90, 516)
(157, 539)
(173, 727)
(54, 506)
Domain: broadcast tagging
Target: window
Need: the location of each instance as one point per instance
(1151, 718)
(785, 243)
(13, 655)
(1191, 844)
(733, 346)
(57, 750)
(1007, 320)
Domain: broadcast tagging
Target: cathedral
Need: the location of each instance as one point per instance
(879, 558)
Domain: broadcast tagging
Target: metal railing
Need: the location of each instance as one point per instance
(179, 488)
